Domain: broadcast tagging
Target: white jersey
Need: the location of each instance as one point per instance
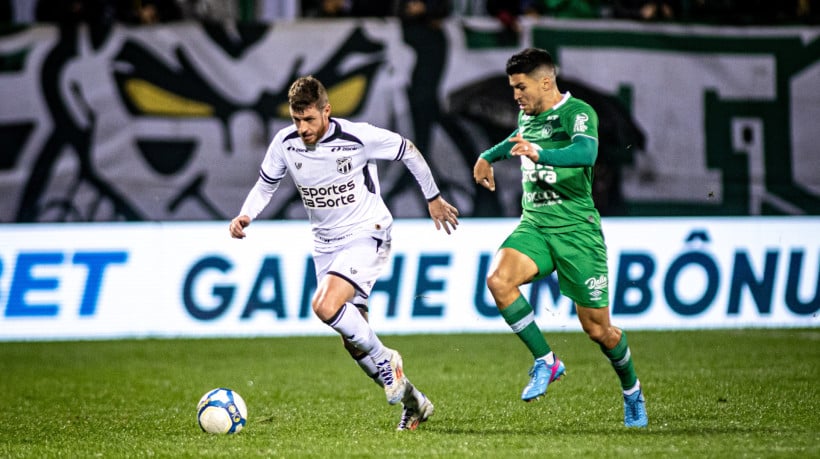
(337, 178)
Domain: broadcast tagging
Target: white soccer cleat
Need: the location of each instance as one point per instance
(392, 377)
(414, 413)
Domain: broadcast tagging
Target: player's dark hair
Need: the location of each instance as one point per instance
(529, 60)
(307, 91)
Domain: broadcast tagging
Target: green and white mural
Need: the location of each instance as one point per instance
(170, 122)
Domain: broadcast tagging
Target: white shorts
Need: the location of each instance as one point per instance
(360, 261)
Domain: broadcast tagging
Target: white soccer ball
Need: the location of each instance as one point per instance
(221, 411)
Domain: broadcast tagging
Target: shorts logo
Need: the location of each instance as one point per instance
(298, 165)
(596, 285)
(344, 164)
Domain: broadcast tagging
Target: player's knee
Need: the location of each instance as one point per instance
(498, 284)
(323, 309)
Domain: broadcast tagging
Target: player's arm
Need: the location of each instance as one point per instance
(444, 214)
(271, 172)
(483, 169)
(256, 201)
(581, 152)
(500, 151)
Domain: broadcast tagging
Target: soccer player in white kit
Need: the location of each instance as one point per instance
(332, 163)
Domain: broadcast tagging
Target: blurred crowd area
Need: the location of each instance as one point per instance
(508, 12)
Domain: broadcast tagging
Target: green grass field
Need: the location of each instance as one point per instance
(739, 393)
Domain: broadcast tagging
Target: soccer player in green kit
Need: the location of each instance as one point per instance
(560, 229)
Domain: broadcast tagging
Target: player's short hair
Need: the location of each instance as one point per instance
(307, 91)
(531, 60)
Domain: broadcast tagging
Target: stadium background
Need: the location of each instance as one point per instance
(124, 154)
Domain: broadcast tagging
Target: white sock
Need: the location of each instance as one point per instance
(349, 323)
(634, 388)
(369, 368)
(549, 358)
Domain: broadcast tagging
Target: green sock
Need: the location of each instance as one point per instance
(621, 359)
(520, 317)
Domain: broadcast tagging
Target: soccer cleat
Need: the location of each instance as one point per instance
(414, 414)
(635, 410)
(541, 375)
(392, 377)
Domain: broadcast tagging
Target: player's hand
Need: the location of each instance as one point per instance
(524, 148)
(238, 226)
(444, 214)
(483, 174)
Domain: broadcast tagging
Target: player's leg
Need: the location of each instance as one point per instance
(416, 407)
(331, 305)
(612, 340)
(512, 267)
(360, 357)
(583, 275)
(352, 270)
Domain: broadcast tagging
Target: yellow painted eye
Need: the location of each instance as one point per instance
(346, 96)
(154, 100)
(283, 110)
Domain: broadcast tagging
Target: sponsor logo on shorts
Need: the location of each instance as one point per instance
(596, 286)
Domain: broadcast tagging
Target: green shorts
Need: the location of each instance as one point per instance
(579, 257)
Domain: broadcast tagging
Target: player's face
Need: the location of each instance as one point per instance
(311, 124)
(530, 93)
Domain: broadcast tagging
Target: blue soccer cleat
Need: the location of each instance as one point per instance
(635, 410)
(541, 375)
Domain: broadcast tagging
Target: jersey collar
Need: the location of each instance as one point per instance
(333, 132)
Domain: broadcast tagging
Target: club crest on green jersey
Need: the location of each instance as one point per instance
(546, 131)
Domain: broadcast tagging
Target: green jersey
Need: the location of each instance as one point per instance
(558, 189)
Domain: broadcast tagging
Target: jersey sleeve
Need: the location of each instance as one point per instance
(388, 145)
(417, 166)
(271, 173)
(382, 143)
(582, 152)
(499, 151)
(581, 121)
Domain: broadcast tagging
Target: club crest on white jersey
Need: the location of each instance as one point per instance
(344, 164)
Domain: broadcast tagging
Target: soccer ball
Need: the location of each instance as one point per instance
(221, 411)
